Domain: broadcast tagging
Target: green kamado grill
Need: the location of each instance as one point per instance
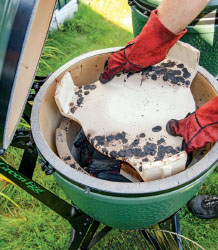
(119, 205)
(202, 32)
(24, 26)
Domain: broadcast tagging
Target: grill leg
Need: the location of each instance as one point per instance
(150, 238)
(176, 229)
(72, 235)
(28, 162)
(83, 229)
(89, 236)
(99, 236)
(83, 238)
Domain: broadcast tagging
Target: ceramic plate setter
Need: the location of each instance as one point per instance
(126, 118)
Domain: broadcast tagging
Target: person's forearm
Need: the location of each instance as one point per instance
(177, 14)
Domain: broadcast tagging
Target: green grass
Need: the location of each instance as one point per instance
(202, 231)
(118, 12)
(33, 225)
(86, 32)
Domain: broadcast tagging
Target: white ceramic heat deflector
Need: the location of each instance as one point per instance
(126, 117)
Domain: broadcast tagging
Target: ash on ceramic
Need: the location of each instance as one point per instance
(151, 151)
(175, 74)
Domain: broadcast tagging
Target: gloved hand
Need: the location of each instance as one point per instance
(199, 128)
(149, 48)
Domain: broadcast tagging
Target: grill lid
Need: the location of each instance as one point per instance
(23, 28)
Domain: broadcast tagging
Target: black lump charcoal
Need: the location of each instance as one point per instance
(96, 166)
(99, 156)
(112, 176)
(86, 152)
(85, 156)
(80, 139)
(90, 148)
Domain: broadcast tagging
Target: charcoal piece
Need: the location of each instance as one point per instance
(161, 153)
(161, 140)
(170, 150)
(122, 153)
(177, 72)
(129, 153)
(111, 176)
(124, 140)
(142, 135)
(180, 66)
(96, 166)
(178, 149)
(135, 143)
(113, 154)
(105, 151)
(129, 74)
(80, 139)
(145, 160)
(73, 109)
(157, 129)
(160, 70)
(100, 140)
(85, 156)
(154, 77)
(152, 153)
(92, 141)
(177, 80)
(180, 79)
(92, 87)
(86, 87)
(67, 158)
(174, 81)
(90, 147)
(150, 148)
(73, 165)
(138, 152)
(79, 101)
(120, 136)
(165, 78)
(141, 153)
(146, 71)
(186, 74)
(75, 153)
(169, 64)
(99, 156)
(110, 138)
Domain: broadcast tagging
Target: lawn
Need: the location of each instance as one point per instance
(25, 223)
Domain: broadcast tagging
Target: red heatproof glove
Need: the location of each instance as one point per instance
(198, 128)
(148, 48)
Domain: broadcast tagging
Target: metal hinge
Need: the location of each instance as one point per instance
(48, 169)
